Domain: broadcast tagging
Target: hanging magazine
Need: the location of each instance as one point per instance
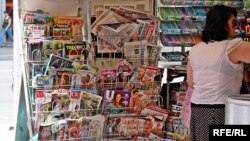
(76, 51)
(57, 62)
(116, 101)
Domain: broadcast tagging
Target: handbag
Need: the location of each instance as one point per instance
(185, 113)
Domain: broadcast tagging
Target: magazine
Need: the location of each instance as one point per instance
(116, 101)
(141, 99)
(154, 110)
(57, 62)
(37, 69)
(76, 51)
(108, 77)
(59, 103)
(45, 133)
(84, 79)
(62, 31)
(33, 31)
(72, 129)
(75, 100)
(124, 70)
(52, 47)
(34, 18)
(91, 128)
(90, 102)
(133, 127)
(146, 74)
(34, 51)
(63, 78)
(37, 77)
(152, 125)
(75, 23)
(130, 126)
(59, 130)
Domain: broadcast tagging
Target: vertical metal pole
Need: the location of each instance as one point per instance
(86, 17)
(23, 130)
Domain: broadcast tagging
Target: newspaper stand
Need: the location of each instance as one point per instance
(26, 128)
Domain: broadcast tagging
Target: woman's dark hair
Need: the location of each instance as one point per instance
(216, 27)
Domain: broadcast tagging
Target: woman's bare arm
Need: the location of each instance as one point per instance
(189, 75)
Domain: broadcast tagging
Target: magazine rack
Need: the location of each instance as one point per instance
(24, 127)
(40, 116)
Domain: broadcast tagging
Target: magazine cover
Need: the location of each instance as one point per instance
(62, 31)
(154, 110)
(75, 100)
(139, 100)
(45, 133)
(63, 78)
(34, 18)
(124, 70)
(33, 31)
(91, 128)
(52, 47)
(108, 77)
(90, 101)
(34, 50)
(40, 96)
(59, 130)
(76, 51)
(152, 125)
(59, 102)
(72, 130)
(57, 62)
(131, 126)
(116, 101)
(146, 74)
(84, 79)
(122, 127)
(75, 23)
(37, 69)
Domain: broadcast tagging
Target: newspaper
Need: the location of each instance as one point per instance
(107, 17)
(116, 34)
(153, 54)
(136, 52)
